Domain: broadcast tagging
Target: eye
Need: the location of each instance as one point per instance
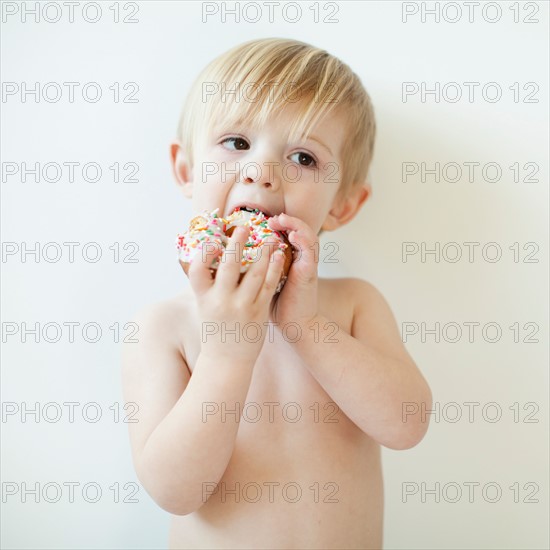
(304, 159)
(235, 144)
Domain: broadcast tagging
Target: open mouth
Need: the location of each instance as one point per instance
(250, 209)
(253, 210)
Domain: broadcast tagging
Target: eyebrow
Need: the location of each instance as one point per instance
(313, 138)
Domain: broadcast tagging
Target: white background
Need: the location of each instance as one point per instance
(162, 53)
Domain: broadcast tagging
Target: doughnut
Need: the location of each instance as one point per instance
(209, 228)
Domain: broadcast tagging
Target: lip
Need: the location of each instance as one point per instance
(268, 213)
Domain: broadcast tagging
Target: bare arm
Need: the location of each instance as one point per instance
(175, 446)
(369, 373)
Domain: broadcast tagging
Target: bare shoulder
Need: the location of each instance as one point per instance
(345, 284)
(372, 318)
(353, 292)
(158, 340)
(154, 370)
(163, 320)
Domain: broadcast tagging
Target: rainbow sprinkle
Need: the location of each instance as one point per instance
(209, 228)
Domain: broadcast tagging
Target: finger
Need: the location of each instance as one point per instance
(301, 237)
(285, 222)
(256, 273)
(230, 263)
(199, 274)
(272, 278)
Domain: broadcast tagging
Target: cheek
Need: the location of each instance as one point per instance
(310, 203)
(216, 176)
(215, 167)
(325, 193)
(210, 193)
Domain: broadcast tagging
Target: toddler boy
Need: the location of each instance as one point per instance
(266, 431)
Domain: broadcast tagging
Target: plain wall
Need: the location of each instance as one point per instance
(162, 53)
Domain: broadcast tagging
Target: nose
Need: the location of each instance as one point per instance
(265, 174)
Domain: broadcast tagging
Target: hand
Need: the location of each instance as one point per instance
(226, 305)
(297, 301)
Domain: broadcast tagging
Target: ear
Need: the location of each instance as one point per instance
(344, 209)
(181, 169)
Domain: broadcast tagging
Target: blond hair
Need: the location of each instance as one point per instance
(262, 76)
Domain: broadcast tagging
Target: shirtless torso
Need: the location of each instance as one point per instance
(302, 475)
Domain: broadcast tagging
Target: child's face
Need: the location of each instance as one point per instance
(238, 165)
